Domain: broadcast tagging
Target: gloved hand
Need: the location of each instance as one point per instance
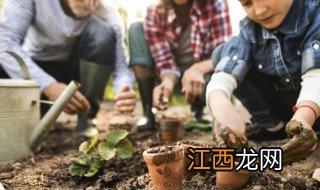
(303, 142)
(226, 137)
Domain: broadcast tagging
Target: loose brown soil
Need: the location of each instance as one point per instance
(48, 167)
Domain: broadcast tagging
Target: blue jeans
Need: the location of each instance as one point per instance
(266, 104)
(96, 44)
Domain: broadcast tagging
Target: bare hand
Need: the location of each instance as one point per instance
(303, 142)
(126, 100)
(77, 104)
(162, 94)
(226, 137)
(193, 84)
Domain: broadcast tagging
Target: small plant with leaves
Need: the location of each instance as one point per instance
(94, 157)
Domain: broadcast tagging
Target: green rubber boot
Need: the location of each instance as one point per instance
(147, 121)
(93, 79)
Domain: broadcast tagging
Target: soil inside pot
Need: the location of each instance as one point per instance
(163, 154)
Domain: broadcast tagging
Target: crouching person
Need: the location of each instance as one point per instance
(174, 44)
(66, 40)
(272, 67)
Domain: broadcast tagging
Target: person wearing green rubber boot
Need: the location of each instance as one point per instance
(174, 44)
(64, 40)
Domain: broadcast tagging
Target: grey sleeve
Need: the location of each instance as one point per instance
(122, 74)
(16, 18)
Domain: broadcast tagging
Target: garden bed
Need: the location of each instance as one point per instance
(48, 167)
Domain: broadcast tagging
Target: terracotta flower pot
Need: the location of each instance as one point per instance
(232, 180)
(170, 129)
(186, 161)
(124, 126)
(120, 122)
(165, 166)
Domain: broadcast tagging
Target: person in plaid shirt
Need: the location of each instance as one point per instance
(176, 40)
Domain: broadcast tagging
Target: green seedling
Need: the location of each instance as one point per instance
(94, 156)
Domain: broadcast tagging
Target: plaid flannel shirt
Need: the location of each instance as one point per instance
(211, 26)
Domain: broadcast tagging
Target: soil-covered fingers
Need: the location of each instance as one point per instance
(297, 154)
(216, 133)
(294, 127)
(293, 148)
(301, 145)
(236, 142)
(226, 137)
(161, 97)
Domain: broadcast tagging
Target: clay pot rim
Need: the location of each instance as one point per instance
(174, 120)
(193, 144)
(172, 151)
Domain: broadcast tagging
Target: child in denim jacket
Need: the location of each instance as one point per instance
(272, 67)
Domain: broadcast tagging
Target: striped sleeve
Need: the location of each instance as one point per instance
(16, 17)
(122, 75)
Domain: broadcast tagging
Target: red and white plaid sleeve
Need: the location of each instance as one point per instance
(221, 22)
(154, 29)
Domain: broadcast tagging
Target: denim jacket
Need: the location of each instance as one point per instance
(285, 53)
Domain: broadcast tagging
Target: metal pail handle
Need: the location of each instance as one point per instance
(22, 64)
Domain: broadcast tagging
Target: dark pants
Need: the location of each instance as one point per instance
(96, 44)
(265, 103)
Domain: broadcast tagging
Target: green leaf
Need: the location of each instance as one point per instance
(94, 169)
(86, 146)
(124, 149)
(82, 160)
(116, 136)
(94, 155)
(106, 151)
(77, 170)
(93, 141)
